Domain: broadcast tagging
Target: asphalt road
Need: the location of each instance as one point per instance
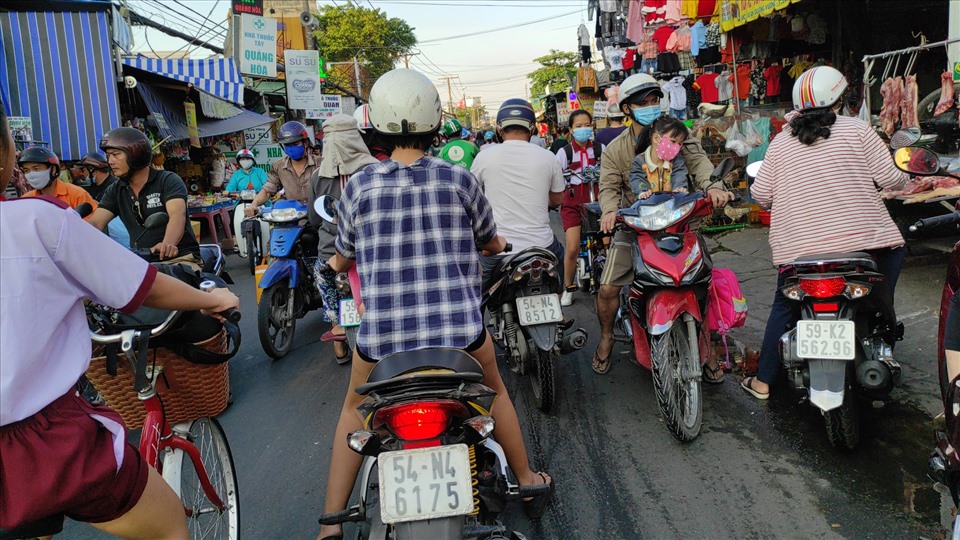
(758, 470)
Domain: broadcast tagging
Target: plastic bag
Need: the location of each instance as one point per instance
(751, 134)
(737, 142)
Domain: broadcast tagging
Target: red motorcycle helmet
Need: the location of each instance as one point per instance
(133, 142)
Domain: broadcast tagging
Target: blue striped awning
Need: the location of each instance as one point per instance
(218, 77)
(59, 72)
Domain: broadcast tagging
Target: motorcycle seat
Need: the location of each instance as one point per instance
(209, 255)
(426, 363)
(594, 208)
(852, 257)
(43, 527)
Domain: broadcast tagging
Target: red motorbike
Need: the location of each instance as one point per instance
(663, 311)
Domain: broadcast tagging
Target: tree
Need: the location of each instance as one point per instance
(556, 71)
(350, 31)
(471, 117)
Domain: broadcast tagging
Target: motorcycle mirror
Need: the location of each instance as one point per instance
(905, 137)
(84, 209)
(753, 169)
(327, 206)
(723, 169)
(918, 161)
(155, 221)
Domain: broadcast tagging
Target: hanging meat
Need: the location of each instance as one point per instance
(946, 94)
(908, 103)
(891, 89)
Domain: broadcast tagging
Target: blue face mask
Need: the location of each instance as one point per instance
(583, 134)
(646, 116)
(295, 152)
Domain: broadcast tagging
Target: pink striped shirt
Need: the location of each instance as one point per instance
(825, 197)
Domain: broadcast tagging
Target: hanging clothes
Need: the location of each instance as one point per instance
(587, 79)
(724, 86)
(680, 39)
(592, 5)
(707, 86)
(772, 76)
(614, 57)
(629, 58)
(693, 95)
(676, 93)
(708, 8)
(689, 9)
(635, 18)
(742, 76)
(662, 36)
(686, 61)
(672, 11)
(698, 38)
(583, 39)
(655, 11)
(758, 83)
(712, 35)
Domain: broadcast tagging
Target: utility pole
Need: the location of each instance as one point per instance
(450, 92)
(356, 71)
(406, 60)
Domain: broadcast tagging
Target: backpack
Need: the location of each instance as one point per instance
(597, 150)
(726, 307)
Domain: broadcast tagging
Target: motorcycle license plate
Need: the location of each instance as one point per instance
(425, 483)
(541, 309)
(829, 340)
(349, 316)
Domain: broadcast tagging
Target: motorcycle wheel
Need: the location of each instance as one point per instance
(253, 253)
(542, 379)
(680, 401)
(843, 423)
(596, 270)
(275, 337)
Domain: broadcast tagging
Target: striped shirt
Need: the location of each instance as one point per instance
(415, 232)
(825, 197)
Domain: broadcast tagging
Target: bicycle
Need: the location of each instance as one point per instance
(206, 482)
(593, 246)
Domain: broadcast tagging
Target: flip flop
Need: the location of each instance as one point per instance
(330, 336)
(599, 365)
(537, 505)
(746, 385)
(713, 379)
(341, 360)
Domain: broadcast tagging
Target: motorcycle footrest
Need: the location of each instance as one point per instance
(344, 516)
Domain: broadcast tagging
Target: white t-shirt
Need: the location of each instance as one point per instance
(517, 178)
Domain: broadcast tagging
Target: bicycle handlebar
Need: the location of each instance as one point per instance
(106, 339)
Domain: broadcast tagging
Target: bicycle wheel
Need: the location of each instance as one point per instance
(204, 519)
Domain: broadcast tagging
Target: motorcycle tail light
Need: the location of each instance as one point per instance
(793, 292)
(823, 287)
(421, 420)
(856, 290)
(534, 268)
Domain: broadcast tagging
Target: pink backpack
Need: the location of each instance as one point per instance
(726, 306)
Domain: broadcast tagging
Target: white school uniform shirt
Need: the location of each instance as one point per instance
(51, 259)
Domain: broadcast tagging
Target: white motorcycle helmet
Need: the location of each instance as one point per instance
(817, 88)
(404, 102)
(362, 116)
(637, 87)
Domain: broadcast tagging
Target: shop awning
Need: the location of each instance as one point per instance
(734, 13)
(57, 69)
(218, 77)
(167, 109)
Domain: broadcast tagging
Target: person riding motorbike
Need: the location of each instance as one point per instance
(61, 454)
(820, 176)
(101, 178)
(522, 182)
(362, 116)
(580, 157)
(142, 191)
(42, 167)
(388, 248)
(457, 151)
(292, 173)
(639, 98)
(346, 154)
(248, 176)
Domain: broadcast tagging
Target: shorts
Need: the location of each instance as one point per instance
(619, 267)
(60, 462)
(473, 347)
(570, 207)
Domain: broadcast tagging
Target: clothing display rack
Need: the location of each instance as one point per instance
(870, 59)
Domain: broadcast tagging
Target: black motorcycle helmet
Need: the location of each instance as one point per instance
(39, 154)
(293, 132)
(95, 160)
(133, 142)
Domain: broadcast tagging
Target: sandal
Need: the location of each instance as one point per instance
(330, 336)
(600, 365)
(710, 374)
(536, 506)
(747, 385)
(341, 360)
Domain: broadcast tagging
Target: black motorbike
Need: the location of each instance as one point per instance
(432, 468)
(523, 296)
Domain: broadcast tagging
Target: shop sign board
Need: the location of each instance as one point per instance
(599, 109)
(259, 140)
(22, 128)
(253, 7)
(956, 72)
(303, 81)
(330, 105)
(563, 112)
(190, 113)
(258, 46)
(734, 13)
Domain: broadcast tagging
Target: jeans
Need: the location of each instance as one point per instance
(678, 113)
(648, 65)
(489, 264)
(784, 312)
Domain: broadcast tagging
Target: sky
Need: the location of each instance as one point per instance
(490, 64)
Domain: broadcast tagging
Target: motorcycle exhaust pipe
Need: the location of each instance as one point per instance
(573, 341)
(874, 376)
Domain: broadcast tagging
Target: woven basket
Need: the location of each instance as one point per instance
(188, 391)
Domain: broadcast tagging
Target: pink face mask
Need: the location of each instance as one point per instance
(667, 149)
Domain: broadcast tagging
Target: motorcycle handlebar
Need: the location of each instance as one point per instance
(232, 314)
(937, 221)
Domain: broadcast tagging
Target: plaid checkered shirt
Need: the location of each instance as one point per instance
(414, 232)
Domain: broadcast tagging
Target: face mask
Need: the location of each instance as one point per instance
(646, 116)
(583, 134)
(246, 164)
(38, 179)
(294, 152)
(667, 149)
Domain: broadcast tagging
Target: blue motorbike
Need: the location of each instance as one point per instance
(289, 291)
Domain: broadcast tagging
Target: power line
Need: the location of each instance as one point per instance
(481, 32)
(182, 18)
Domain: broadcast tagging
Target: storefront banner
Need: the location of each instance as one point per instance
(217, 108)
(303, 81)
(599, 109)
(330, 106)
(258, 46)
(734, 13)
(253, 7)
(190, 112)
(259, 140)
(563, 112)
(22, 128)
